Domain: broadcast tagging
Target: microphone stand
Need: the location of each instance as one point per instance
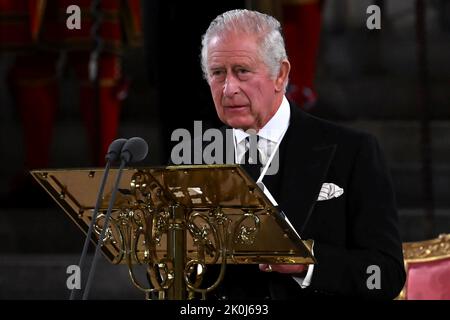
(91, 225)
(113, 151)
(105, 227)
(133, 149)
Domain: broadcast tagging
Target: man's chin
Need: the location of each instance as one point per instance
(244, 125)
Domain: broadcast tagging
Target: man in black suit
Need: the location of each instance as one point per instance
(332, 182)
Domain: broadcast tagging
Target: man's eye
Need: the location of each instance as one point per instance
(242, 71)
(217, 73)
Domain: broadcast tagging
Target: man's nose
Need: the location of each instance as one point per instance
(231, 86)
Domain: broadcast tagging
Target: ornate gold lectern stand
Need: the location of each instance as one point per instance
(178, 220)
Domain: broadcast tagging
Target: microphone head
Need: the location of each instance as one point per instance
(134, 150)
(114, 149)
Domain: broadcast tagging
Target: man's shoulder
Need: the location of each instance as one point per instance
(329, 131)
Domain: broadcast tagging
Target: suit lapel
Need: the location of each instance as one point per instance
(306, 159)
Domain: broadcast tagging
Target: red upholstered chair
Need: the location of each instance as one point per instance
(427, 265)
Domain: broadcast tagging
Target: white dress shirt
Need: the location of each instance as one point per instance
(269, 138)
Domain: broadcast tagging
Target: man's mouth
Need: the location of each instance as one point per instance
(236, 107)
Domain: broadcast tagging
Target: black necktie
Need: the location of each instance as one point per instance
(253, 168)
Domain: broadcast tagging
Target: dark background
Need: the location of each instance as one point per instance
(372, 80)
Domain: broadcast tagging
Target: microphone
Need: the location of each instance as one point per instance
(112, 155)
(135, 149)
(114, 150)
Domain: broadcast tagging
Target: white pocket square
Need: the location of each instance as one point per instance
(329, 191)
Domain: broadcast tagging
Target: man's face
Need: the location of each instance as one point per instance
(244, 94)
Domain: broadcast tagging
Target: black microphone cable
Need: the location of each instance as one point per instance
(134, 150)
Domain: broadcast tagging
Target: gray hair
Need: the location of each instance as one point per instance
(266, 28)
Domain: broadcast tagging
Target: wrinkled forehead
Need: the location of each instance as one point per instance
(233, 44)
(234, 36)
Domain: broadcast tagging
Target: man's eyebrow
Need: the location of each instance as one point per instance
(242, 65)
(233, 66)
(214, 68)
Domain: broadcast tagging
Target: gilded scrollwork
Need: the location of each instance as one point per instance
(210, 232)
(144, 227)
(113, 236)
(160, 225)
(205, 235)
(161, 274)
(245, 233)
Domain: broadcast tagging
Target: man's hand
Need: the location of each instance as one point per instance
(284, 268)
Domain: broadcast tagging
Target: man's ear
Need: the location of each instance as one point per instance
(282, 75)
